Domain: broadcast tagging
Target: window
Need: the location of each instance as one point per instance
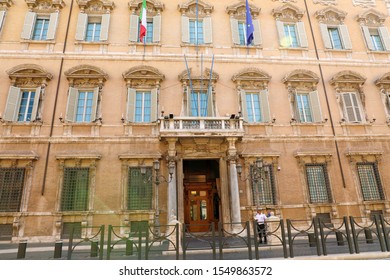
(306, 107)
(351, 107)
(292, 35)
(92, 28)
(40, 27)
(22, 104)
(196, 32)
(254, 106)
(377, 38)
(303, 107)
(141, 105)
(370, 181)
(75, 189)
(11, 188)
(264, 189)
(242, 33)
(318, 183)
(149, 32)
(82, 105)
(140, 192)
(2, 19)
(93, 32)
(199, 104)
(336, 37)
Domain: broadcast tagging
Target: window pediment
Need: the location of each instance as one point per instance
(198, 81)
(4, 4)
(45, 5)
(29, 75)
(86, 76)
(300, 78)
(95, 6)
(141, 76)
(238, 10)
(371, 18)
(357, 155)
(384, 81)
(330, 15)
(153, 8)
(288, 12)
(305, 156)
(347, 80)
(251, 78)
(189, 9)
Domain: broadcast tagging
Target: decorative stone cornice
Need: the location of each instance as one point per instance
(313, 156)
(29, 75)
(205, 76)
(288, 12)
(152, 7)
(330, 15)
(95, 6)
(143, 75)
(238, 10)
(301, 78)
(86, 75)
(371, 18)
(18, 155)
(357, 155)
(82, 154)
(45, 5)
(347, 78)
(5, 4)
(189, 8)
(364, 3)
(384, 81)
(325, 2)
(251, 78)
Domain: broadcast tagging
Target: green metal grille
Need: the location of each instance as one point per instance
(6, 232)
(11, 188)
(264, 190)
(140, 190)
(75, 189)
(137, 226)
(318, 183)
(370, 181)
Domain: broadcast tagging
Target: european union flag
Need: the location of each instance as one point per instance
(249, 25)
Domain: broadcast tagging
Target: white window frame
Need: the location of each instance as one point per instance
(82, 25)
(383, 34)
(343, 34)
(356, 108)
(207, 30)
(72, 104)
(14, 98)
(30, 24)
(131, 104)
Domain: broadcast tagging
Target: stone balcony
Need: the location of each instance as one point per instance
(201, 127)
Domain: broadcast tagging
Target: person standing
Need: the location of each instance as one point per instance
(260, 219)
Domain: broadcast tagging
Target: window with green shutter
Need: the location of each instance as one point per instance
(11, 188)
(318, 183)
(370, 182)
(75, 189)
(139, 189)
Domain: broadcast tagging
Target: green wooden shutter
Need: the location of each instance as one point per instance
(95, 102)
(207, 30)
(53, 23)
(28, 27)
(264, 106)
(346, 39)
(71, 106)
(280, 28)
(185, 29)
(303, 43)
(367, 37)
(257, 39)
(134, 22)
(235, 32)
(315, 106)
(325, 36)
(131, 95)
(34, 112)
(153, 109)
(157, 29)
(105, 26)
(244, 110)
(210, 102)
(13, 104)
(2, 19)
(81, 29)
(384, 33)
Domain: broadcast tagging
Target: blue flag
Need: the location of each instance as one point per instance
(249, 25)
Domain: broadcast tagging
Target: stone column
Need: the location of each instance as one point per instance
(172, 186)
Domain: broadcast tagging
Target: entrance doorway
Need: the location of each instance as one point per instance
(201, 195)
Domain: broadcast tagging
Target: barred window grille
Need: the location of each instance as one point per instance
(11, 189)
(264, 190)
(75, 189)
(318, 183)
(138, 226)
(370, 181)
(140, 190)
(68, 227)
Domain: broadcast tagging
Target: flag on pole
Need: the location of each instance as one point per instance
(142, 19)
(249, 25)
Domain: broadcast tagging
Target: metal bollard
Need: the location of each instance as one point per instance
(22, 249)
(94, 248)
(368, 234)
(129, 247)
(312, 240)
(58, 249)
(339, 238)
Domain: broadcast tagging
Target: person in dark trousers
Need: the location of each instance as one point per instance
(261, 226)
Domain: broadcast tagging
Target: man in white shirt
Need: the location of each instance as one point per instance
(261, 219)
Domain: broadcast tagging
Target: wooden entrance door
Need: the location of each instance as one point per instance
(199, 208)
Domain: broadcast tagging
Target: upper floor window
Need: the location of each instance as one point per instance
(93, 21)
(238, 24)
(3, 12)
(142, 106)
(334, 32)
(375, 33)
(26, 94)
(384, 85)
(153, 21)
(291, 29)
(351, 107)
(196, 28)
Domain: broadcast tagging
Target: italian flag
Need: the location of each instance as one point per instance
(142, 19)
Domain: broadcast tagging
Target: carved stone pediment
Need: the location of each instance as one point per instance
(364, 3)
(238, 10)
(330, 15)
(251, 78)
(5, 4)
(96, 6)
(301, 78)
(29, 75)
(305, 156)
(152, 7)
(199, 81)
(288, 12)
(325, 2)
(45, 5)
(384, 81)
(86, 76)
(371, 18)
(143, 76)
(347, 77)
(189, 8)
